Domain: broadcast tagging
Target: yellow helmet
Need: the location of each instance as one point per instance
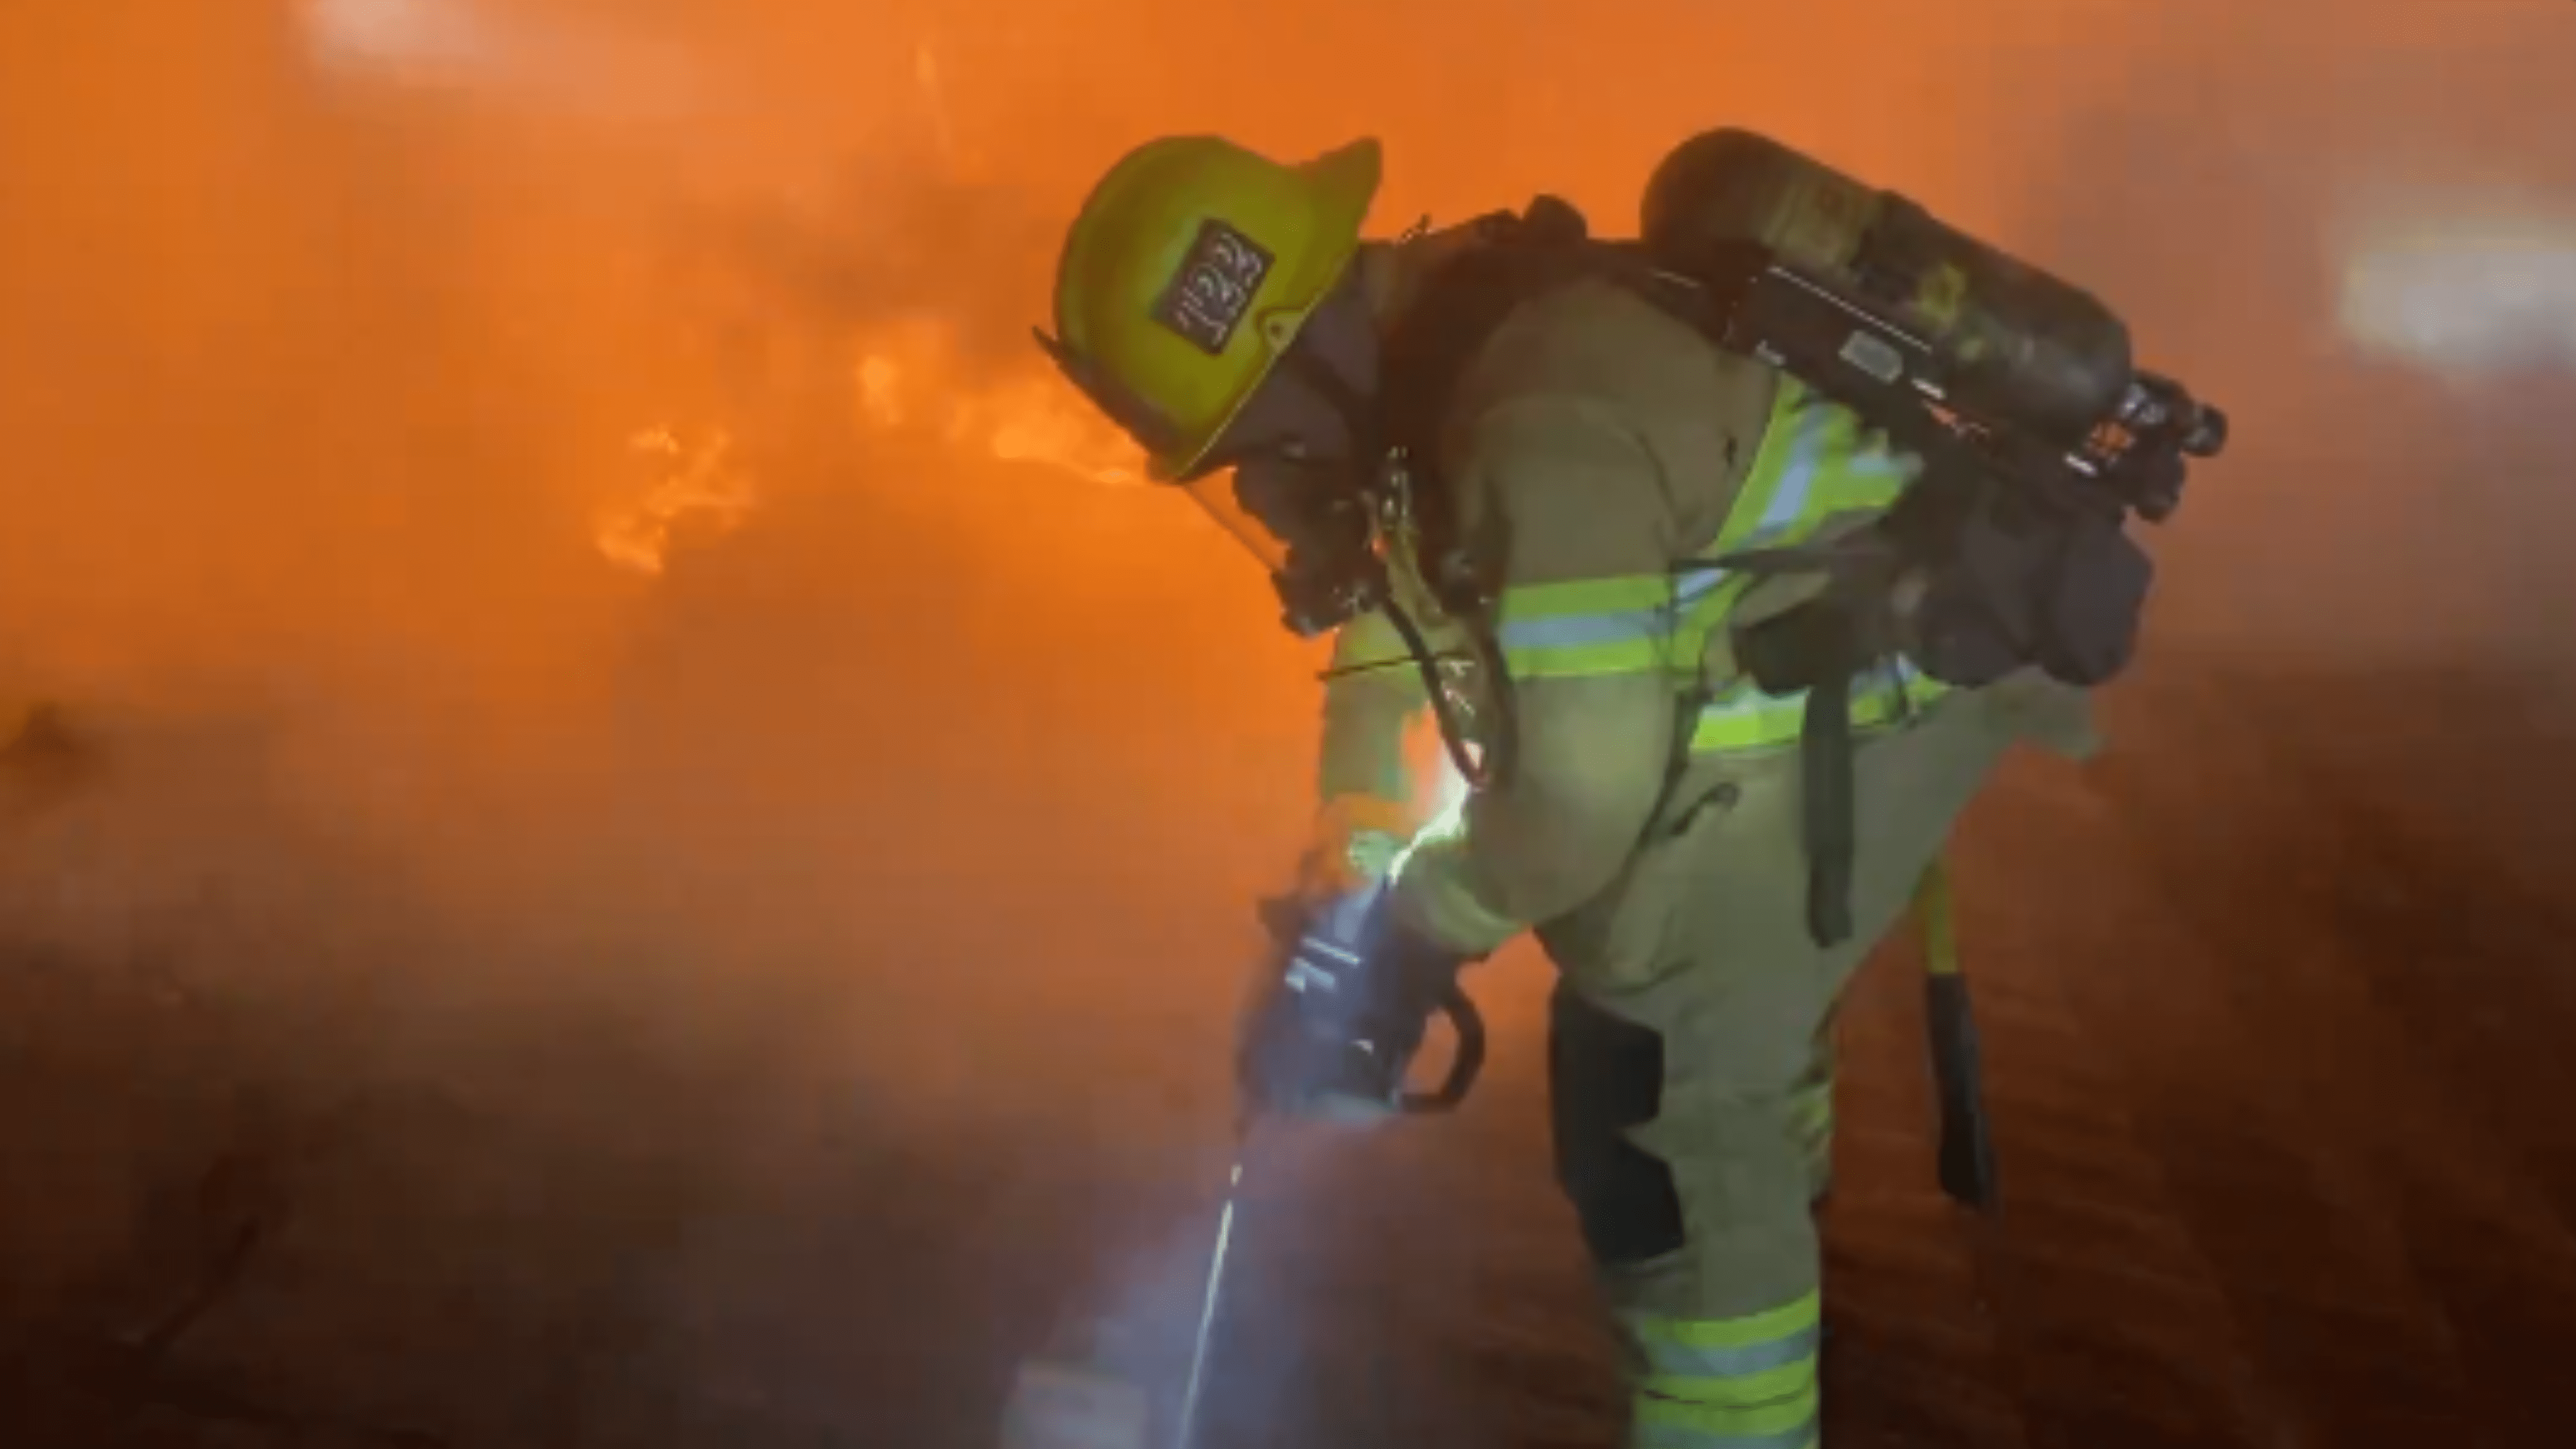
(1188, 272)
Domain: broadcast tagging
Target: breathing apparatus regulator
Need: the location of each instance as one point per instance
(1319, 476)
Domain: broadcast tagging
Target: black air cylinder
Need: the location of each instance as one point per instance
(2013, 344)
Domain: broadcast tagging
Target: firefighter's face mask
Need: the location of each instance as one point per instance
(1285, 477)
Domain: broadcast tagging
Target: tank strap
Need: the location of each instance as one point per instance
(1828, 770)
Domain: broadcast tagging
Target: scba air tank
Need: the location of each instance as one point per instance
(2013, 345)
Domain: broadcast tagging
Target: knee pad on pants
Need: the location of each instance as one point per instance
(1606, 1075)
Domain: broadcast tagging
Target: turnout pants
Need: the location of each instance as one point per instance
(1691, 1066)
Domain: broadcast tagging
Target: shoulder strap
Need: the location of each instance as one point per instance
(1514, 259)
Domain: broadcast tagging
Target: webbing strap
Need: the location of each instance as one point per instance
(1825, 762)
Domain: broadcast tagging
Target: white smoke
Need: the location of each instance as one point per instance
(524, 57)
(2474, 292)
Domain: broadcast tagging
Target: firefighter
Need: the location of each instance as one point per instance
(1224, 309)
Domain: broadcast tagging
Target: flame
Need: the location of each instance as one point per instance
(912, 377)
(696, 483)
(907, 380)
(1040, 420)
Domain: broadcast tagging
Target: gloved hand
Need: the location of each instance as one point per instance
(1335, 1026)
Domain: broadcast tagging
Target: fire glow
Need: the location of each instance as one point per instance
(907, 381)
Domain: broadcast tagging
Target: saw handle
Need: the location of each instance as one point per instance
(1967, 1155)
(1464, 1066)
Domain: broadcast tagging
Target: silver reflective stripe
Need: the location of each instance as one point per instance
(1873, 458)
(1618, 626)
(1793, 492)
(1676, 1436)
(1792, 495)
(1787, 506)
(1687, 1361)
(1692, 585)
(1575, 630)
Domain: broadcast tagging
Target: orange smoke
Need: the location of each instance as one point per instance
(322, 368)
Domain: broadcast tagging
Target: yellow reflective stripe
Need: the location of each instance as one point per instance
(1856, 470)
(1681, 1424)
(1579, 597)
(1815, 462)
(1739, 1397)
(1707, 594)
(1788, 440)
(1661, 1425)
(1621, 625)
(1771, 1325)
(1744, 718)
(1811, 1111)
(1811, 1098)
(1730, 1383)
